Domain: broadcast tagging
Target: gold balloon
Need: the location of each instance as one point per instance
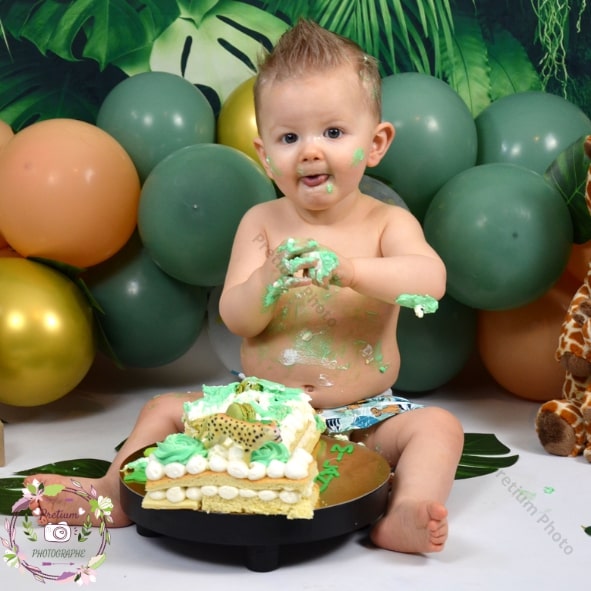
(46, 333)
(237, 126)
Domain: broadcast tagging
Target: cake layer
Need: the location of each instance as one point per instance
(282, 503)
(247, 448)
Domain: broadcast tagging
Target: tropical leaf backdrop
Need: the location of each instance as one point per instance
(59, 58)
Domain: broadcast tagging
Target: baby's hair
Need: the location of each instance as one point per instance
(307, 48)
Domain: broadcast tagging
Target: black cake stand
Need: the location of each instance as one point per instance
(354, 492)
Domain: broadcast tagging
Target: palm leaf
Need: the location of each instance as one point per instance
(568, 174)
(401, 34)
(483, 454)
(467, 69)
(511, 69)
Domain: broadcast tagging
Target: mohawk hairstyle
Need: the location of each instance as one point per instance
(307, 48)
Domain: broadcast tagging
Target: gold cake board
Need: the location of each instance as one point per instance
(354, 484)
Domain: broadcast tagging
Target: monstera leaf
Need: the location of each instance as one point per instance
(106, 31)
(54, 57)
(216, 44)
(483, 454)
(568, 174)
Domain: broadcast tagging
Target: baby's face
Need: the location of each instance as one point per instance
(317, 136)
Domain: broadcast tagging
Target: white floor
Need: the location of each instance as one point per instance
(496, 541)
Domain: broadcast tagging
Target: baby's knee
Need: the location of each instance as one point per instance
(445, 422)
(169, 403)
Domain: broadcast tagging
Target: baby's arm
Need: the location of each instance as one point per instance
(257, 277)
(408, 264)
(248, 275)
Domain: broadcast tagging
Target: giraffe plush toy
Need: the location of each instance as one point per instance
(564, 425)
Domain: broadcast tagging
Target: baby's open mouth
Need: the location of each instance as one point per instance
(313, 180)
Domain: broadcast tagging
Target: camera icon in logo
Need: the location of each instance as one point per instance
(57, 532)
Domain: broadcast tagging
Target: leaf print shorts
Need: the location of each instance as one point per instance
(365, 413)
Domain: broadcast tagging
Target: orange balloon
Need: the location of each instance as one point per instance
(6, 134)
(69, 193)
(578, 262)
(236, 125)
(517, 346)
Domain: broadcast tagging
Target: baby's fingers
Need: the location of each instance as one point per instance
(293, 247)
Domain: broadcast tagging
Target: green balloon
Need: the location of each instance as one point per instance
(529, 128)
(190, 207)
(150, 319)
(435, 137)
(504, 234)
(153, 114)
(434, 349)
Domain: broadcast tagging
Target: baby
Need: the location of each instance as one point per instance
(314, 277)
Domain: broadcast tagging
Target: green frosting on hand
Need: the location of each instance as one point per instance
(317, 263)
(421, 304)
(178, 447)
(327, 263)
(270, 451)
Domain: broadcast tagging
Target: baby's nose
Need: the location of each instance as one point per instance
(311, 149)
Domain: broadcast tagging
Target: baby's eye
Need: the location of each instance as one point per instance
(289, 138)
(333, 133)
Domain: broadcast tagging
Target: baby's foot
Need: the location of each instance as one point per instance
(72, 508)
(413, 527)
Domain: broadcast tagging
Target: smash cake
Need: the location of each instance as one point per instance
(247, 447)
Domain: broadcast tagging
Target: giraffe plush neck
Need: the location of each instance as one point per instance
(564, 425)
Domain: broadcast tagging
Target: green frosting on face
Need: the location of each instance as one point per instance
(358, 156)
(178, 447)
(270, 451)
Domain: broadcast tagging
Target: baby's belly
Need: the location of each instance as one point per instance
(331, 376)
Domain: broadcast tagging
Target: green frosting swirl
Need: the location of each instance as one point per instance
(270, 451)
(178, 447)
(136, 471)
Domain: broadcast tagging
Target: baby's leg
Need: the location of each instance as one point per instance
(424, 446)
(158, 418)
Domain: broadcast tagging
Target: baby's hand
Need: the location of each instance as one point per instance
(292, 258)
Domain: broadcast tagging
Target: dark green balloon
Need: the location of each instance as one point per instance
(434, 349)
(435, 137)
(190, 207)
(150, 319)
(504, 234)
(529, 129)
(153, 114)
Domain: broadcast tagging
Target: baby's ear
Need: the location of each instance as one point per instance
(383, 135)
(260, 149)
